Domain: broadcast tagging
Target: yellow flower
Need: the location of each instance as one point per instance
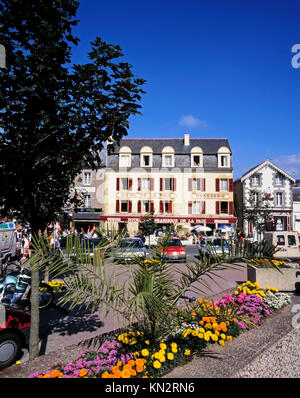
(145, 352)
(163, 346)
(187, 352)
(170, 356)
(18, 362)
(221, 342)
(156, 364)
(147, 342)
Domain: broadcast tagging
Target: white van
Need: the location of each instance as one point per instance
(287, 243)
(8, 240)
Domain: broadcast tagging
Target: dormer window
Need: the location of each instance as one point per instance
(146, 157)
(196, 157)
(125, 157)
(168, 156)
(224, 157)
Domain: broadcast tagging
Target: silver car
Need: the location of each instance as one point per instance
(129, 249)
(212, 246)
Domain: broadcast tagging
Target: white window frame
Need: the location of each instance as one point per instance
(124, 156)
(255, 180)
(224, 181)
(87, 178)
(277, 196)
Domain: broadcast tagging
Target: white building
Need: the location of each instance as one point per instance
(272, 185)
(296, 209)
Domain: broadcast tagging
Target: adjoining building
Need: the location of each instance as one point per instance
(184, 181)
(266, 183)
(296, 206)
(90, 183)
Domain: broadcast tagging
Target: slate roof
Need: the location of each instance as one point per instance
(209, 145)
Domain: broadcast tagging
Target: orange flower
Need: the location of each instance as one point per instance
(105, 375)
(199, 300)
(140, 362)
(83, 372)
(131, 362)
(132, 372)
(55, 373)
(126, 373)
(117, 374)
(139, 369)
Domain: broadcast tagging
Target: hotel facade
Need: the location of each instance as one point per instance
(184, 181)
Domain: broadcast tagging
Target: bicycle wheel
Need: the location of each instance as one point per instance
(46, 295)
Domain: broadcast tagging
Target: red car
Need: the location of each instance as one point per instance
(14, 334)
(174, 251)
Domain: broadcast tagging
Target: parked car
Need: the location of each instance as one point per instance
(89, 245)
(285, 243)
(174, 250)
(214, 246)
(129, 249)
(14, 334)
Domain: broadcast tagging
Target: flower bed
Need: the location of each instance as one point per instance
(134, 355)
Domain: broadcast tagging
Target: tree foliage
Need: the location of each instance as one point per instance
(55, 116)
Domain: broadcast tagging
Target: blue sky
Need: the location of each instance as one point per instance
(213, 68)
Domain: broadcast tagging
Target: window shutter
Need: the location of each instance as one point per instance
(151, 184)
(203, 207)
(190, 184)
(217, 207)
(139, 206)
(161, 206)
(231, 208)
(217, 185)
(203, 184)
(129, 184)
(117, 206)
(129, 206)
(173, 184)
(139, 184)
(190, 207)
(118, 184)
(230, 185)
(160, 184)
(170, 207)
(151, 207)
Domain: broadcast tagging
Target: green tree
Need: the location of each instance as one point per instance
(55, 116)
(256, 210)
(148, 226)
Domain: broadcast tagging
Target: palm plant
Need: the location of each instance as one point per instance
(145, 292)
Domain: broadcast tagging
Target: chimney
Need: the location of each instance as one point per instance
(186, 139)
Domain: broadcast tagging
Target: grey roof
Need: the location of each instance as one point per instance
(208, 145)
